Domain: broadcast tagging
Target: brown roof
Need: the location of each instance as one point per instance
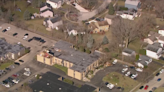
(92, 25)
(152, 38)
(103, 23)
(155, 34)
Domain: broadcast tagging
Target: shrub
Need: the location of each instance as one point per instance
(137, 57)
(142, 51)
(68, 81)
(106, 50)
(91, 71)
(145, 66)
(87, 51)
(81, 48)
(123, 8)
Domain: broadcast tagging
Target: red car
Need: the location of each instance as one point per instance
(15, 75)
(146, 87)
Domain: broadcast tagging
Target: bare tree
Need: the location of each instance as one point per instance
(160, 8)
(147, 4)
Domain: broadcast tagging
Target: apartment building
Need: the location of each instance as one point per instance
(10, 51)
(63, 53)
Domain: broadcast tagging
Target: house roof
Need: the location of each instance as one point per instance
(127, 50)
(161, 38)
(153, 38)
(102, 23)
(142, 62)
(80, 59)
(132, 2)
(55, 19)
(45, 4)
(46, 10)
(152, 48)
(92, 25)
(144, 58)
(55, 1)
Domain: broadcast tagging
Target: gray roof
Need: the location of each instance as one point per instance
(110, 16)
(53, 20)
(46, 10)
(80, 60)
(144, 58)
(6, 48)
(132, 2)
(56, 1)
(127, 50)
(152, 48)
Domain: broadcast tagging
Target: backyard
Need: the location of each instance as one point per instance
(5, 65)
(64, 69)
(120, 81)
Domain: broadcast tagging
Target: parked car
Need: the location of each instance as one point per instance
(8, 69)
(27, 73)
(25, 37)
(132, 67)
(8, 28)
(16, 63)
(159, 79)
(125, 65)
(0, 27)
(15, 34)
(21, 61)
(157, 74)
(154, 88)
(26, 34)
(139, 69)
(141, 87)
(124, 70)
(16, 80)
(15, 75)
(27, 69)
(128, 73)
(134, 76)
(110, 86)
(146, 87)
(114, 62)
(30, 40)
(161, 71)
(4, 30)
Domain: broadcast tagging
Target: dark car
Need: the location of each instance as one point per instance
(15, 34)
(159, 79)
(4, 30)
(21, 61)
(26, 34)
(154, 88)
(8, 69)
(5, 82)
(42, 41)
(17, 63)
(141, 87)
(157, 74)
(30, 40)
(132, 67)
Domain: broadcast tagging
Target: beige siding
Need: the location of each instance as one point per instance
(70, 73)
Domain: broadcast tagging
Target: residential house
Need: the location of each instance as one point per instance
(161, 31)
(78, 63)
(53, 22)
(55, 3)
(99, 26)
(109, 18)
(140, 63)
(74, 32)
(129, 14)
(152, 37)
(128, 52)
(161, 41)
(46, 10)
(132, 4)
(146, 59)
(153, 51)
(10, 51)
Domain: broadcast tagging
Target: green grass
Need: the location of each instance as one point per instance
(121, 81)
(135, 45)
(68, 81)
(64, 69)
(160, 89)
(5, 65)
(159, 22)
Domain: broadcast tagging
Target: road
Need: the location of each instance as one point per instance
(88, 15)
(153, 83)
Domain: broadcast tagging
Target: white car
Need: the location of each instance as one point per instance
(134, 76)
(110, 86)
(125, 65)
(19, 43)
(0, 27)
(27, 73)
(139, 69)
(16, 81)
(27, 69)
(7, 85)
(115, 61)
(128, 73)
(162, 70)
(8, 28)
(124, 70)
(25, 37)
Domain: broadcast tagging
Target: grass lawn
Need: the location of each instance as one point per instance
(6, 64)
(159, 22)
(135, 45)
(64, 69)
(160, 89)
(121, 3)
(68, 81)
(121, 81)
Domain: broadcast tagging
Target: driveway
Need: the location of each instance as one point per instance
(88, 15)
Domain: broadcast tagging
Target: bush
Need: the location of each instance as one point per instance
(91, 71)
(27, 50)
(137, 57)
(145, 66)
(87, 51)
(68, 81)
(142, 51)
(106, 50)
(81, 49)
